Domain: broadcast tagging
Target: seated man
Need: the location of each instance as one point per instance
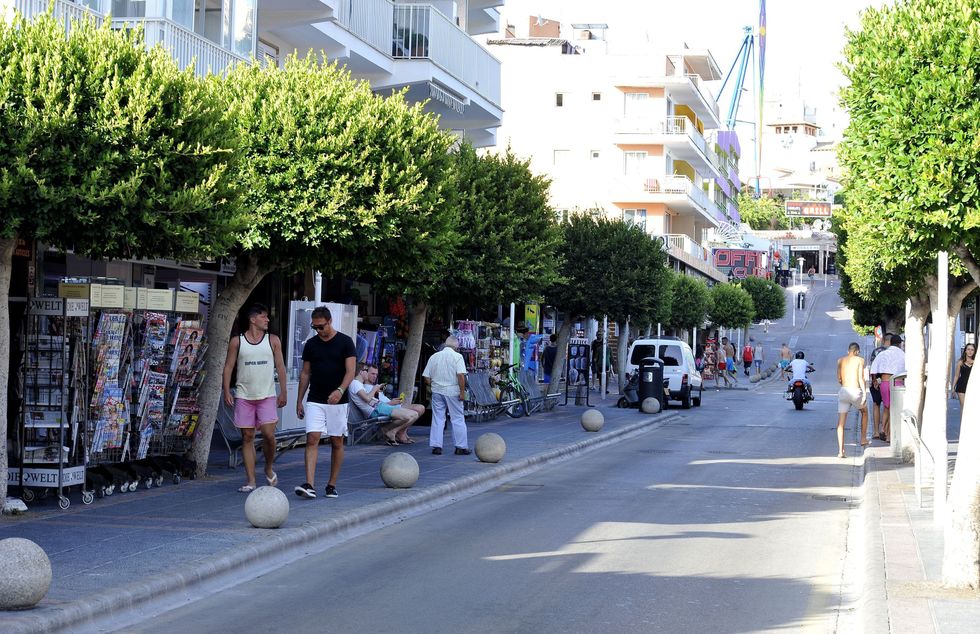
(798, 368)
(371, 401)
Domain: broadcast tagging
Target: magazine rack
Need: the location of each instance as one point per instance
(52, 433)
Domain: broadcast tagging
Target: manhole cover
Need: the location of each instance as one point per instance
(519, 488)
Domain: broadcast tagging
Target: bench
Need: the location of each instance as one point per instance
(225, 422)
(483, 404)
(361, 427)
(536, 400)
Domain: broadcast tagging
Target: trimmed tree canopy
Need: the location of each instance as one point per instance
(690, 304)
(768, 298)
(731, 306)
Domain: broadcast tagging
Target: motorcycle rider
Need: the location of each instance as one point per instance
(798, 368)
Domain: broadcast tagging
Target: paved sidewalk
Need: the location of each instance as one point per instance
(141, 549)
(904, 551)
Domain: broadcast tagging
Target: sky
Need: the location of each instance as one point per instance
(804, 42)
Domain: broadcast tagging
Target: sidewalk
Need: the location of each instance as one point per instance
(151, 548)
(904, 550)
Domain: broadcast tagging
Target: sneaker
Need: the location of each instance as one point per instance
(306, 490)
(437, 451)
(330, 491)
(463, 451)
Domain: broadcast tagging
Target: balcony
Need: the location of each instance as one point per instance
(64, 10)
(691, 91)
(677, 134)
(675, 191)
(684, 248)
(185, 46)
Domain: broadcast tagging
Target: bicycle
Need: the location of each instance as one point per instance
(513, 397)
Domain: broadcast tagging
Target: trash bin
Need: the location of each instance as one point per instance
(651, 379)
(801, 300)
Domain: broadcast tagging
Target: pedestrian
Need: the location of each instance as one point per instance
(729, 370)
(369, 398)
(962, 375)
(329, 361)
(722, 364)
(853, 393)
(887, 364)
(748, 354)
(255, 357)
(810, 272)
(548, 357)
(765, 325)
(445, 374)
(595, 358)
(785, 358)
(878, 431)
(758, 356)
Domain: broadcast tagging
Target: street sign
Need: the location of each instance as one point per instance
(808, 209)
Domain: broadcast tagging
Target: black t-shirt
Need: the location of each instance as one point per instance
(548, 358)
(328, 365)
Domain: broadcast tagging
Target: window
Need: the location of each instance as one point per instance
(597, 96)
(633, 162)
(561, 157)
(594, 154)
(636, 217)
(559, 99)
(636, 104)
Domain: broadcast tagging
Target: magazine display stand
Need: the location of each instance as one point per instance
(484, 345)
(52, 435)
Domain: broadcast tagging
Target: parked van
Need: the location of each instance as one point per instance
(684, 379)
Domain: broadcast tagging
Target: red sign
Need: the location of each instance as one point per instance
(808, 209)
(739, 262)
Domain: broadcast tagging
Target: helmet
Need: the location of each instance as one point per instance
(800, 355)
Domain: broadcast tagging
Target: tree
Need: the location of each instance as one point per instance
(763, 213)
(768, 298)
(332, 177)
(690, 302)
(911, 169)
(608, 268)
(108, 150)
(731, 306)
(503, 243)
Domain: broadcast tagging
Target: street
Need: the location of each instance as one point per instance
(731, 518)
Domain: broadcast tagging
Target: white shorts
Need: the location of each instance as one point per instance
(849, 397)
(328, 420)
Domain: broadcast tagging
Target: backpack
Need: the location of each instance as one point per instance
(747, 354)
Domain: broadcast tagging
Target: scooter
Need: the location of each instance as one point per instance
(631, 392)
(799, 392)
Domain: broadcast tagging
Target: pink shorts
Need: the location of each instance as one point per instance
(253, 414)
(886, 393)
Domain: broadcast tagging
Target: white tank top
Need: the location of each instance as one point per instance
(256, 369)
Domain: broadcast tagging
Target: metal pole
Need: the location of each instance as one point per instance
(605, 351)
(513, 336)
(938, 375)
(659, 333)
(317, 287)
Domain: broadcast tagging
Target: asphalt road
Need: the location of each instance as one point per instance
(731, 519)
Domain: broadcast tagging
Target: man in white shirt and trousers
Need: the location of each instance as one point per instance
(445, 374)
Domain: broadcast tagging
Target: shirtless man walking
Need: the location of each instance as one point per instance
(853, 393)
(785, 358)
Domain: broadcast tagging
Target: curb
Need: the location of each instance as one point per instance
(873, 601)
(162, 591)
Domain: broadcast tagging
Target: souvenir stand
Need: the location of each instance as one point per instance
(52, 433)
(344, 318)
(485, 346)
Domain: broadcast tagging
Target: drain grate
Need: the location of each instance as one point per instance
(835, 498)
(518, 488)
(656, 451)
(724, 453)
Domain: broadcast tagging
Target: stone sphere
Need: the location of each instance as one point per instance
(25, 574)
(592, 420)
(650, 405)
(267, 507)
(490, 447)
(399, 470)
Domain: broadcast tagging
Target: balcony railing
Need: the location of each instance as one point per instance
(686, 244)
(684, 126)
(678, 184)
(185, 46)
(370, 20)
(422, 32)
(64, 10)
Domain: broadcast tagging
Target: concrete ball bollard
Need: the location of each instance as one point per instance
(25, 574)
(266, 507)
(650, 405)
(490, 447)
(755, 378)
(399, 471)
(592, 420)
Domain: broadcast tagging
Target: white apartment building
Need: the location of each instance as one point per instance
(426, 47)
(636, 136)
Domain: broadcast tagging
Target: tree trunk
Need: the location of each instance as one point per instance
(6, 264)
(564, 334)
(915, 356)
(247, 276)
(622, 344)
(961, 548)
(413, 350)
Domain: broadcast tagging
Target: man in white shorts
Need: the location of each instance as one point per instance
(255, 357)
(853, 393)
(329, 361)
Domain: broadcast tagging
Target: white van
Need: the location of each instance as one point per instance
(679, 368)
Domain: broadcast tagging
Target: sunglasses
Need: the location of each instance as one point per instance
(318, 328)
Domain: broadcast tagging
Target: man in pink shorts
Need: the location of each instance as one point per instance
(888, 363)
(256, 356)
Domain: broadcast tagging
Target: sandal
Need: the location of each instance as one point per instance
(273, 480)
(247, 488)
(391, 442)
(407, 441)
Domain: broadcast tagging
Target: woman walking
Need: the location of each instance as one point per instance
(962, 375)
